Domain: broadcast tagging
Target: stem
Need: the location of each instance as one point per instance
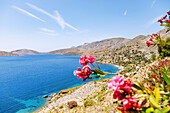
(93, 77)
(93, 65)
(111, 73)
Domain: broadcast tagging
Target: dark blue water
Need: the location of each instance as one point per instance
(25, 79)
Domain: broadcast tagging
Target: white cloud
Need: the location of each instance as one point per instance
(47, 30)
(125, 13)
(154, 20)
(153, 3)
(28, 13)
(50, 34)
(57, 17)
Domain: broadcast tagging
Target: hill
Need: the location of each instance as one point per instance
(88, 47)
(3, 53)
(69, 51)
(107, 43)
(25, 51)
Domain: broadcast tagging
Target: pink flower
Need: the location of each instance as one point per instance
(83, 60)
(127, 88)
(91, 59)
(85, 77)
(148, 43)
(118, 94)
(168, 21)
(157, 66)
(160, 102)
(120, 86)
(168, 12)
(164, 17)
(151, 39)
(79, 73)
(87, 69)
(152, 76)
(116, 82)
(160, 20)
(154, 35)
(130, 103)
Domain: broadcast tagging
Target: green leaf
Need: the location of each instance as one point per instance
(98, 71)
(149, 110)
(137, 87)
(157, 93)
(153, 101)
(119, 111)
(165, 110)
(167, 80)
(166, 102)
(167, 30)
(140, 85)
(147, 80)
(157, 111)
(166, 68)
(143, 102)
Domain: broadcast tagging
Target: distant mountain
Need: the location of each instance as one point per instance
(79, 50)
(99, 48)
(136, 40)
(69, 51)
(25, 51)
(107, 43)
(3, 53)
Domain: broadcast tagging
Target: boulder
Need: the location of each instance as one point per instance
(72, 104)
(63, 92)
(53, 94)
(45, 96)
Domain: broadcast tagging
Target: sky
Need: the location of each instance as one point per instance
(46, 25)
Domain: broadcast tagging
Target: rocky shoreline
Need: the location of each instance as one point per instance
(60, 102)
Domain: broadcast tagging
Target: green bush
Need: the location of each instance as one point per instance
(89, 103)
(100, 98)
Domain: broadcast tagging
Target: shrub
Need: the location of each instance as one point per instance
(89, 103)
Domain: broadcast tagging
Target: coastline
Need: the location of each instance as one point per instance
(58, 103)
(63, 97)
(117, 66)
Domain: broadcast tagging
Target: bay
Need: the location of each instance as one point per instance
(25, 79)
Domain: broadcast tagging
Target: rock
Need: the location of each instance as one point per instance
(45, 96)
(53, 94)
(72, 104)
(63, 92)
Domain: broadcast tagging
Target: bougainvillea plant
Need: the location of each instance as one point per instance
(152, 95)
(86, 72)
(165, 21)
(149, 96)
(163, 45)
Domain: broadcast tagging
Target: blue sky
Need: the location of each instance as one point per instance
(46, 25)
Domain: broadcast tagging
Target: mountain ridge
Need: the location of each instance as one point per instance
(25, 51)
(96, 46)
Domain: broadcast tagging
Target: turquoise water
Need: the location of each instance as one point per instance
(25, 79)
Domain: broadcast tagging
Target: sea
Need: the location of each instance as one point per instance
(25, 79)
